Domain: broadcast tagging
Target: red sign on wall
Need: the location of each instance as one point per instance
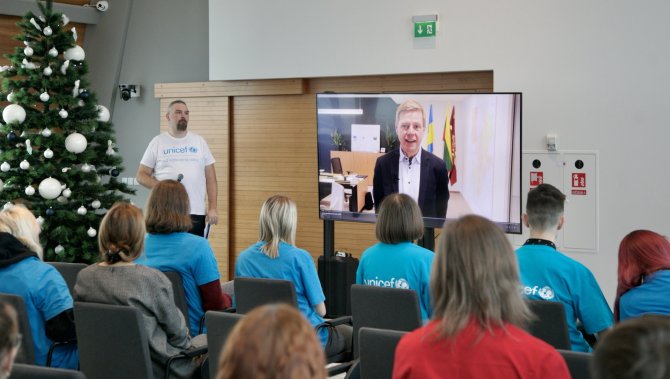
(536, 178)
(579, 181)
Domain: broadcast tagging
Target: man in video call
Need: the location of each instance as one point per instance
(411, 169)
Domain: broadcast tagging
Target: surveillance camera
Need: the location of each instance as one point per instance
(102, 6)
(129, 90)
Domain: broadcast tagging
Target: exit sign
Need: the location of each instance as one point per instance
(425, 29)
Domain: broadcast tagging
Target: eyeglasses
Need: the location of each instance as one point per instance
(17, 342)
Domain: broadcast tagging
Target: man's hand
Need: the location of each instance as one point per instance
(212, 217)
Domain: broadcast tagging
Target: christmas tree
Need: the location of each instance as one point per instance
(57, 145)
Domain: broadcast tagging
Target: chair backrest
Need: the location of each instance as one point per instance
(336, 164)
(27, 352)
(253, 292)
(377, 351)
(23, 371)
(219, 326)
(578, 363)
(551, 325)
(179, 293)
(112, 341)
(383, 308)
(69, 271)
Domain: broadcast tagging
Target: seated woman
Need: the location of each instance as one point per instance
(118, 280)
(644, 275)
(10, 339)
(395, 260)
(43, 289)
(273, 341)
(478, 314)
(275, 256)
(169, 247)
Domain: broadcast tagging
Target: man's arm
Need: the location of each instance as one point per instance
(145, 176)
(210, 178)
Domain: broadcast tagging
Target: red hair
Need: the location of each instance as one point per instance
(641, 253)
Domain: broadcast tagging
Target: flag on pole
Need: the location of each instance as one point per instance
(449, 154)
(431, 131)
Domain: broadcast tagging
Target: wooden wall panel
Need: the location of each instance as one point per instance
(209, 117)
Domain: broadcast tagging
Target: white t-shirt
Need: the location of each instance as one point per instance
(409, 173)
(188, 156)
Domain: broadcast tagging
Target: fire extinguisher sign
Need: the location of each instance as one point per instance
(579, 183)
(536, 178)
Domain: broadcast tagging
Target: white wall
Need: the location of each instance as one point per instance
(597, 73)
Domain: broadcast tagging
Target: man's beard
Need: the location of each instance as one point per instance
(182, 125)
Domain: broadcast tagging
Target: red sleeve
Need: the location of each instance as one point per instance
(213, 299)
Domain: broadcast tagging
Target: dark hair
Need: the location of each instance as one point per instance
(168, 208)
(399, 219)
(121, 236)
(544, 206)
(635, 348)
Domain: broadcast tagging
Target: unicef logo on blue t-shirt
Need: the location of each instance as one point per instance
(546, 293)
(402, 283)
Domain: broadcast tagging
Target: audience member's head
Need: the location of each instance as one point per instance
(10, 339)
(273, 341)
(399, 219)
(121, 236)
(168, 209)
(544, 208)
(278, 223)
(637, 348)
(18, 221)
(475, 277)
(641, 253)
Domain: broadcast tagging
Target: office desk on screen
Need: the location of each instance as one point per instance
(357, 185)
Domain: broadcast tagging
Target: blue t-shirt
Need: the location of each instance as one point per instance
(46, 295)
(547, 274)
(650, 297)
(292, 264)
(190, 256)
(402, 265)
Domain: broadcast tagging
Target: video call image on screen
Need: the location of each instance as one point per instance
(470, 141)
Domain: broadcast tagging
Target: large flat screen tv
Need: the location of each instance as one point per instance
(464, 146)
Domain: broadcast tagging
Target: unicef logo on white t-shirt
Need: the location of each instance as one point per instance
(402, 283)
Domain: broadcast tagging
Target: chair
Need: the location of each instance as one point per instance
(179, 293)
(336, 164)
(253, 292)
(219, 326)
(105, 328)
(27, 352)
(69, 271)
(551, 325)
(377, 351)
(578, 363)
(383, 308)
(24, 371)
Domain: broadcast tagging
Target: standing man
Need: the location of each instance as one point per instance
(547, 274)
(410, 169)
(184, 156)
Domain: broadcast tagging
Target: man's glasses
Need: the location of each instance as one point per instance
(17, 341)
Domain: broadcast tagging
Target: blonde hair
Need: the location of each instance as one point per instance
(409, 106)
(168, 208)
(475, 277)
(278, 221)
(121, 236)
(18, 221)
(273, 342)
(399, 219)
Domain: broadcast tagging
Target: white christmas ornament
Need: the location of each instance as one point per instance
(59, 249)
(44, 96)
(91, 232)
(110, 147)
(30, 190)
(80, 103)
(61, 199)
(10, 97)
(62, 113)
(29, 148)
(49, 188)
(4, 167)
(40, 220)
(47, 31)
(75, 90)
(63, 68)
(67, 192)
(65, 169)
(74, 33)
(86, 167)
(24, 165)
(14, 113)
(103, 113)
(47, 71)
(53, 52)
(75, 143)
(46, 132)
(75, 53)
(32, 21)
(28, 51)
(82, 210)
(95, 204)
(48, 153)
(66, 20)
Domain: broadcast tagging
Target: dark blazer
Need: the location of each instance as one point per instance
(433, 189)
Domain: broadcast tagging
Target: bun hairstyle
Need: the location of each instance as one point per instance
(122, 231)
